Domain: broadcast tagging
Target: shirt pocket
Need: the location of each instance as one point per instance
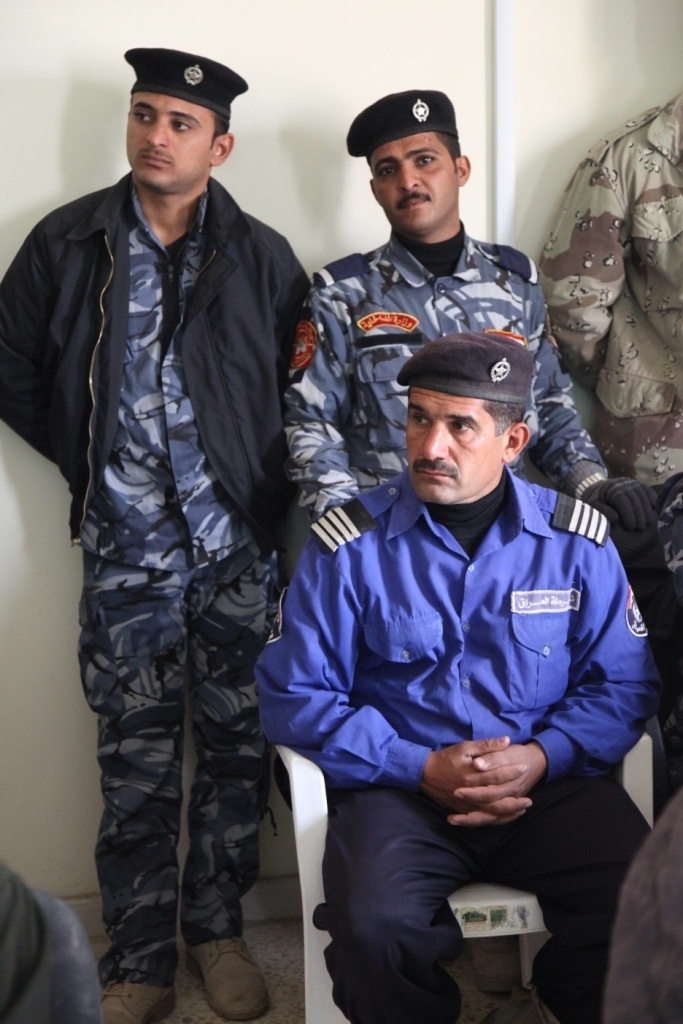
(658, 221)
(539, 659)
(380, 402)
(413, 642)
(628, 395)
(656, 229)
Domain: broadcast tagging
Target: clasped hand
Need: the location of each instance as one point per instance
(484, 782)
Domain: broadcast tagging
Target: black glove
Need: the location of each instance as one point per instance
(622, 500)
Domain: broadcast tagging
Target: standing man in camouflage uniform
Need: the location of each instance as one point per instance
(144, 331)
(612, 273)
(366, 314)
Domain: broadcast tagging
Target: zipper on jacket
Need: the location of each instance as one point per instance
(77, 540)
(207, 264)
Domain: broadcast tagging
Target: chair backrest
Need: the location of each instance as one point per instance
(309, 811)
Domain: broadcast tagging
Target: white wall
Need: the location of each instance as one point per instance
(582, 66)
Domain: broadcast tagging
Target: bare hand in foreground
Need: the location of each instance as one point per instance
(484, 782)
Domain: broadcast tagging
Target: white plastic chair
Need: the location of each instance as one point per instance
(482, 910)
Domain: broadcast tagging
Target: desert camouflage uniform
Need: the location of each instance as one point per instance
(365, 315)
(175, 594)
(612, 273)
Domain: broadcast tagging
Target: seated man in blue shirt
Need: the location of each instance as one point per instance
(461, 654)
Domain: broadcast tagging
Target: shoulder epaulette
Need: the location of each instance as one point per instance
(510, 259)
(576, 516)
(349, 266)
(343, 523)
(599, 148)
(518, 262)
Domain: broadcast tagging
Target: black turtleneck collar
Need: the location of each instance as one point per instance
(469, 521)
(439, 258)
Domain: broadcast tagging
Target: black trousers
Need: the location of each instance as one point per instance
(391, 861)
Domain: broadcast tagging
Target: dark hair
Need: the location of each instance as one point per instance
(221, 124)
(451, 143)
(504, 414)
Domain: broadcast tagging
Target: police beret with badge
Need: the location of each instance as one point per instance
(187, 76)
(491, 365)
(398, 115)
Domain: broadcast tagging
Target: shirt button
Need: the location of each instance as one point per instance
(470, 567)
(465, 627)
(466, 683)
(392, 490)
(442, 289)
(546, 650)
(405, 655)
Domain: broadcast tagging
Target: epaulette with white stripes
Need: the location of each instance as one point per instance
(343, 523)
(577, 517)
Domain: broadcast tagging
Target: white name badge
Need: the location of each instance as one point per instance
(533, 602)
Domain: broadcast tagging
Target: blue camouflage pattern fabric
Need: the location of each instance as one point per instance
(160, 503)
(176, 594)
(671, 528)
(670, 502)
(364, 317)
(146, 635)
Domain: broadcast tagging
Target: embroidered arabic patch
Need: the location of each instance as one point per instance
(533, 602)
(383, 318)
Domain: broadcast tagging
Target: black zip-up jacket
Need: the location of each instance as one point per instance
(63, 334)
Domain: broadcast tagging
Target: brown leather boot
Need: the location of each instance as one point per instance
(522, 1008)
(128, 1003)
(234, 984)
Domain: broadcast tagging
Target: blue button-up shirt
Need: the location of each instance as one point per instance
(397, 643)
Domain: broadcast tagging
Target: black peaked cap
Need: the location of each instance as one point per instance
(187, 76)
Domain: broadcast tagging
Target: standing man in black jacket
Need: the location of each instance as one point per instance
(145, 334)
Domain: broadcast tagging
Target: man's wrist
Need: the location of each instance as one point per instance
(582, 475)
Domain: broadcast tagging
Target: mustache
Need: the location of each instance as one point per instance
(155, 154)
(436, 466)
(409, 198)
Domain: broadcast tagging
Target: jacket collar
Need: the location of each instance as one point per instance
(404, 265)
(225, 220)
(520, 513)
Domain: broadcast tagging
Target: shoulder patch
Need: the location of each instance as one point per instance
(341, 524)
(599, 148)
(577, 517)
(349, 266)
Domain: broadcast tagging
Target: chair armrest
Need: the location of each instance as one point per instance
(634, 773)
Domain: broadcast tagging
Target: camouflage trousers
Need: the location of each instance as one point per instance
(148, 638)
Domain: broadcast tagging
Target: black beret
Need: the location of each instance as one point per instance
(495, 366)
(187, 76)
(398, 115)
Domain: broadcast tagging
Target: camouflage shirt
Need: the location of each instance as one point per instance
(160, 504)
(671, 528)
(612, 273)
(367, 314)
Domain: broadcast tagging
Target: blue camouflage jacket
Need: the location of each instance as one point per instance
(670, 503)
(364, 316)
(392, 642)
